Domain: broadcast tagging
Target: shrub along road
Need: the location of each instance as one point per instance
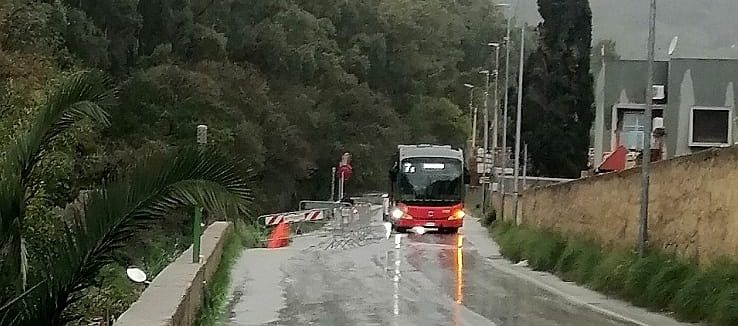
(437, 284)
(657, 281)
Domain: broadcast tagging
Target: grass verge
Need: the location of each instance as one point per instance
(657, 281)
(216, 295)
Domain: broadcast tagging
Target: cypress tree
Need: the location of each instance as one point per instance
(558, 95)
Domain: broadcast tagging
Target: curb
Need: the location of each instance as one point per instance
(572, 299)
(504, 265)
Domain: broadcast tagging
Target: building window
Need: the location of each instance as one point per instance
(710, 126)
(631, 134)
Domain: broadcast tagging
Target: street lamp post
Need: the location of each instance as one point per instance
(486, 140)
(504, 114)
(646, 165)
(518, 126)
(472, 116)
(495, 122)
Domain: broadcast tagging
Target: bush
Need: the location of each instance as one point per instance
(610, 274)
(726, 306)
(490, 218)
(664, 285)
(638, 277)
(543, 250)
(578, 261)
(656, 281)
(696, 298)
(513, 242)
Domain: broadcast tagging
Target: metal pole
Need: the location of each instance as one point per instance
(340, 187)
(496, 107)
(333, 183)
(202, 139)
(646, 165)
(495, 120)
(485, 145)
(525, 165)
(474, 131)
(471, 114)
(504, 121)
(519, 112)
(471, 102)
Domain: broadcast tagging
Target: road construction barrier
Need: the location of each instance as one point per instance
(328, 207)
(346, 225)
(292, 217)
(353, 226)
(282, 227)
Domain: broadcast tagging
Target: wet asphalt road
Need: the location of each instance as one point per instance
(429, 280)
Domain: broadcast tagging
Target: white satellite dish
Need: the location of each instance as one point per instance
(673, 45)
(136, 275)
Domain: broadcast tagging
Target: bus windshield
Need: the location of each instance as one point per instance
(430, 179)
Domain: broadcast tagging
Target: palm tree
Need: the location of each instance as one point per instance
(107, 217)
(83, 95)
(112, 214)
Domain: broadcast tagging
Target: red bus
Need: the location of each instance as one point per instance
(427, 185)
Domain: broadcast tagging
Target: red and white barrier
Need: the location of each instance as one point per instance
(292, 217)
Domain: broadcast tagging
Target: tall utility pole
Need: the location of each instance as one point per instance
(485, 165)
(495, 119)
(525, 165)
(518, 126)
(646, 164)
(471, 114)
(486, 142)
(505, 119)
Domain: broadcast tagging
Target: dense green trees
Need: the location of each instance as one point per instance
(84, 237)
(558, 90)
(285, 86)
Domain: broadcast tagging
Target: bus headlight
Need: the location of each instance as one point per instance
(397, 213)
(457, 215)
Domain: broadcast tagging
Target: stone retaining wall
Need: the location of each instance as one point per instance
(175, 295)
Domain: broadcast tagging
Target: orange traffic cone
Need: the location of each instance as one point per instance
(279, 237)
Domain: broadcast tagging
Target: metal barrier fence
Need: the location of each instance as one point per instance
(328, 206)
(297, 221)
(354, 227)
(347, 225)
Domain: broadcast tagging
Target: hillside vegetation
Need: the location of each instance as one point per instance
(285, 86)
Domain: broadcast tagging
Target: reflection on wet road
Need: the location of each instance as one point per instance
(430, 279)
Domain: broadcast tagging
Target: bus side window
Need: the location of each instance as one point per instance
(467, 176)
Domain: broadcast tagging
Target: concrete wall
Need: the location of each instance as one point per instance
(693, 206)
(175, 295)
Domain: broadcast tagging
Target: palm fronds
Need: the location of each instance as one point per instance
(82, 95)
(112, 214)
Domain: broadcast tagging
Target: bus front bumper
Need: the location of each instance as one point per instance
(440, 223)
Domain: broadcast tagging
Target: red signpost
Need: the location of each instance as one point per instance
(344, 172)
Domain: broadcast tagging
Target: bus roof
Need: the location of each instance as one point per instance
(408, 151)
